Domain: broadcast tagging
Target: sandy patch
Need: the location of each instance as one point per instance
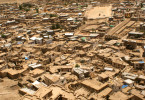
(9, 90)
(99, 12)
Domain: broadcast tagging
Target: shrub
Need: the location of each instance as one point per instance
(55, 26)
(53, 15)
(27, 9)
(77, 65)
(3, 36)
(82, 61)
(27, 5)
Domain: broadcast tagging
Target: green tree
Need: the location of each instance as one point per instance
(57, 26)
(141, 5)
(37, 10)
(20, 7)
(53, 27)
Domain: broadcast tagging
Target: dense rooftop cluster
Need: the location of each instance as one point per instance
(55, 51)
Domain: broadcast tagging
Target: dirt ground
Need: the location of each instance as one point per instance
(99, 12)
(9, 90)
(13, 1)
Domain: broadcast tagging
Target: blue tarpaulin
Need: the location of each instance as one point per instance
(124, 86)
(141, 61)
(26, 58)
